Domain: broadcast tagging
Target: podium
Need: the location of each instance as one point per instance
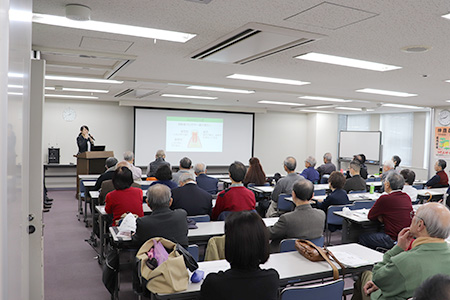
(92, 162)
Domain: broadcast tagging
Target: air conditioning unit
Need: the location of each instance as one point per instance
(252, 42)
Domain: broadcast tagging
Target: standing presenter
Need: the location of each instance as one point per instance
(84, 140)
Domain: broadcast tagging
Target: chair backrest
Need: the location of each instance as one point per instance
(320, 192)
(283, 204)
(200, 218)
(223, 215)
(330, 291)
(357, 192)
(363, 204)
(288, 245)
(370, 179)
(332, 218)
(193, 250)
(324, 178)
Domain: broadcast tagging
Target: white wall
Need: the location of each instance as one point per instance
(109, 123)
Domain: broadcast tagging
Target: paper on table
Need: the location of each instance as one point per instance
(350, 260)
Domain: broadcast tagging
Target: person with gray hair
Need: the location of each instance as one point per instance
(205, 182)
(388, 168)
(441, 178)
(185, 167)
(421, 252)
(309, 172)
(154, 165)
(327, 167)
(393, 210)
(128, 156)
(284, 185)
(110, 165)
(190, 197)
(163, 222)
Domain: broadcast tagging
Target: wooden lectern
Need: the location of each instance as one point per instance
(92, 162)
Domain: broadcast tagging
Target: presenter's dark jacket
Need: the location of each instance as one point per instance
(192, 199)
(207, 183)
(336, 197)
(164, 222)
(439, 180)
(238, 284)
(355, 183)
(82, 144)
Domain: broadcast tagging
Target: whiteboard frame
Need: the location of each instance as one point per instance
(368, 161)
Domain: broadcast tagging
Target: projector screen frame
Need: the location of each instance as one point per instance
(198, 110)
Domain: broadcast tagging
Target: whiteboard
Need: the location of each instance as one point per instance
(357, 142)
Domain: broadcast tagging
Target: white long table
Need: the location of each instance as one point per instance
(354, 197)
(290, 266)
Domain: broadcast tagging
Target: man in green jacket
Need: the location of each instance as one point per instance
(421, 252)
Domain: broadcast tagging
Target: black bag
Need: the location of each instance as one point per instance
(189, 261)
(111, 270)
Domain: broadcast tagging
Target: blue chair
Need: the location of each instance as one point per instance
(330, 291)
(223, 215)
(193, 250)
(320, 192)
(283, 204)
(363, 204)
(370, 179)
(332, 219)
(288, 245)
(324, 178)
(200, 218)
(357, 192)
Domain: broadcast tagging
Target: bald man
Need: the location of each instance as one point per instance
(421, 252)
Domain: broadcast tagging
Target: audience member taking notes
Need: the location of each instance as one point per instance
(440, 179)
(190, 197)
(205, 182)
(310, 173)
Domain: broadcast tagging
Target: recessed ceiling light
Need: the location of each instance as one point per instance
(402, 106)
(219, 89)
(267, 79)
(81, 79)
(446, 16)
(324, 99)
(76, 90)
(69, 96)
(188, 97)
(316, 111)
(386, 93)
(348, 108)
(348, 62)
(280, 103)
(143, 32)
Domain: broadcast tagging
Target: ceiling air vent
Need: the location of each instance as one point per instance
(252, 42)
(123, 93)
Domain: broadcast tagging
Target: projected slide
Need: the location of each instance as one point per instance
(189, 134)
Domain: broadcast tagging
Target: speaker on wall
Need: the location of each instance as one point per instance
(53, 155)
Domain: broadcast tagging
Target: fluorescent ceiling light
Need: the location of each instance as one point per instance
(447, 16)
(15, 86)
(348, 62)
(19, 15)
(348, 108)
(76, 90)
(324, 99)
(386, 93)
(144, 32)
(70, 96)
(322, 106)
(188, 96)
(315, 111)
(219, 89)
(15, 94)
(81, 79)
(15, 75)
(402, 106)
(280, 103)
(267, 79)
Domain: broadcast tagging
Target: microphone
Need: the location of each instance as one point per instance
(91, 137)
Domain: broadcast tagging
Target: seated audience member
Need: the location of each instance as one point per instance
(205, 182)
(338, 196)
(237, 197)
(108, 186)
(246, 247)
(393, 210)
(388, 168)
(361, 158)
(137, 172)
(440, 179)
(162, 222)
(164, 176)
(110, 165)
(355, 182)
(154, 165)
(421, 252)
(397, 160)
(304, 222)
(310, 173)
(124, 198)
(284, 185)
(327, 167)
(255, 173)
(185, 167)
(190, 197)
(435, 287)
(409, 177)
